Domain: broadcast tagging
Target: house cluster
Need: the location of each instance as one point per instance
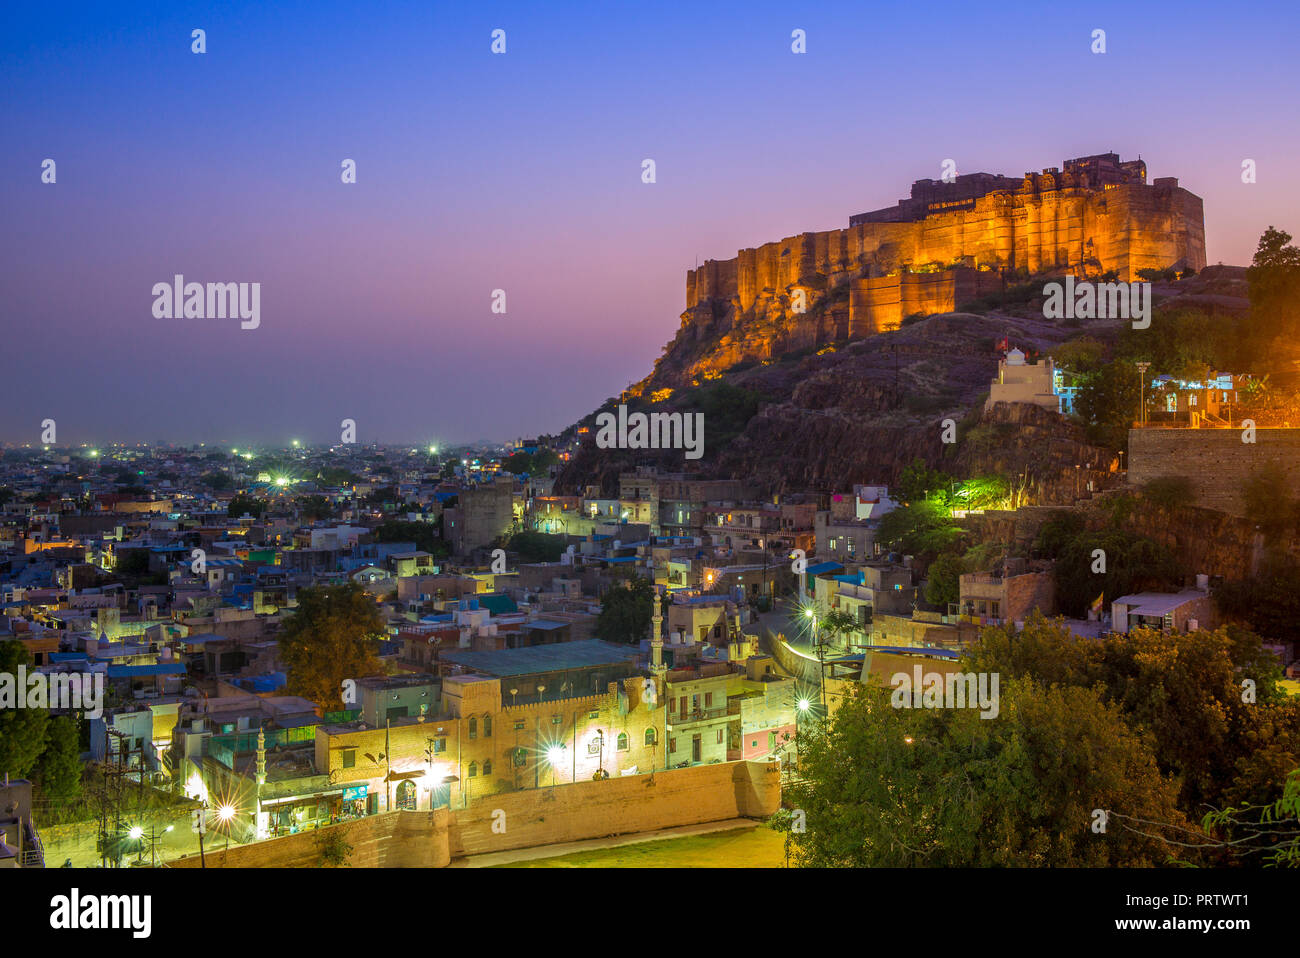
(168, 574)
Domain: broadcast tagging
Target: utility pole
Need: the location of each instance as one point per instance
(1142, 383)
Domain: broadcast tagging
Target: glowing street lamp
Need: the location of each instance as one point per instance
(554, 756)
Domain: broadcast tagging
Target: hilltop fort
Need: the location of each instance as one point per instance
(946, 244)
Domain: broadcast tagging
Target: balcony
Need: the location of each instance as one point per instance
(697, 715)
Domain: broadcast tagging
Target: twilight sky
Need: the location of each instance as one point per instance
(522, 172)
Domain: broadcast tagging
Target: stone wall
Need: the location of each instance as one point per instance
(565, 813)
(1124, 228)
(1215, 461)
(617, 806)
(390, 840)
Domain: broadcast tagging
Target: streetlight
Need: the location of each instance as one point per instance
(225, 815)
(554, 755)
(1142, 385)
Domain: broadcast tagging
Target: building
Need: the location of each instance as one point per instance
(20, 843)
(1173, 612)
(1022, 382)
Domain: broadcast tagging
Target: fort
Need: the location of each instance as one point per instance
(948, 243)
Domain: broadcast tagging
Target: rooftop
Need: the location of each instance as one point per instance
(555, 657)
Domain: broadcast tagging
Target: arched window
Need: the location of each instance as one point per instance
(406, 795)
(473, 769)
(473, 728)
(649, 736)
(521, 757)
(622, 741)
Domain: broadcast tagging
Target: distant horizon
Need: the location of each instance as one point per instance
(522, 172)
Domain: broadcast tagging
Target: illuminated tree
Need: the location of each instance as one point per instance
(332, 636)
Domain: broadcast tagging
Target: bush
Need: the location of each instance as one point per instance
(1169, 491)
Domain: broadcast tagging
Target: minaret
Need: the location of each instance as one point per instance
(261, 780)
(657, 667)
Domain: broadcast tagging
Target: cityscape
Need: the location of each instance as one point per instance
(946, 532)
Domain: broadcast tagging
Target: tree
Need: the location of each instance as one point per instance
(332, 847)
(314, 507)
(888, 787)
(1107, 401)
(23, 731)
(625, 612)
(332, 636)
(241, 505)
(943, 580)
(1185, 690)
(917, 481)
(423, 534)
(58, 771)
(1274, 280)
(538, 546)
(923, 528)
(217, 481)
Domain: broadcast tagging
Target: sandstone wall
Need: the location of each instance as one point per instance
(544, 816)
(1215, 461)
(390, 840)
(616, 806)
(1124, 228)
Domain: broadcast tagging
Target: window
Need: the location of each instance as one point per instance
(720, 731)
(440, 745)
(557, 719)
(487, 727)
(592, 715)
(708, 700)
(349, 758)
(473, 769)
(487, 767)
(521, 756)
(519, 725)
(473, 728)
(649, 736)
(622, 741)
(672, 743)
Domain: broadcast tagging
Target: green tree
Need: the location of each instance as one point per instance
(23, 731)
(332, 636)
(923, 528)
(917, 482)
(625, 612)
(538, 546)
(217, 481)
(888, 786)
(1274, 282)
(332, 847)
(58, 771)
(241, 505)
(943, 580)
(314, 507)
(1185, 690)
(423, 534)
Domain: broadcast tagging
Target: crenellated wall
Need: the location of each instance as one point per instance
(1124, 227)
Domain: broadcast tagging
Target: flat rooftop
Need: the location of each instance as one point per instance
(554, 657)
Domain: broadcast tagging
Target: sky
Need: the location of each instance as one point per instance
(521, 172)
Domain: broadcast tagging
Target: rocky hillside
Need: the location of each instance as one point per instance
(862, 410)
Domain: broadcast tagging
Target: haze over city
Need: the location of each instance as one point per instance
(523, 172)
